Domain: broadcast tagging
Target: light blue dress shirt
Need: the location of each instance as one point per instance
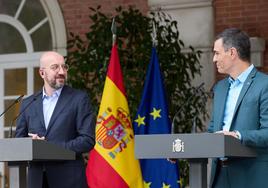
(233, 94)
(49, 103)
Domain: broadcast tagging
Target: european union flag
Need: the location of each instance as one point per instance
(152, 118)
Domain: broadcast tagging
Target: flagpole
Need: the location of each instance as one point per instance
(113, 29)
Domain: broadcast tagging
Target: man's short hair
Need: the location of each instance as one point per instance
(237, 39)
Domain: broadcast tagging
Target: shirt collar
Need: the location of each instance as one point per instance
(243, 76)
(57, 93)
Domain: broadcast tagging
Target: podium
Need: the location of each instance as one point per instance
(196, 148)
(18, 151)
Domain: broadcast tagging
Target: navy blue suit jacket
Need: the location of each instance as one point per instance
(251, 120)
(72, 126)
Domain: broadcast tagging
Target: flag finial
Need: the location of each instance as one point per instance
(113, 29)
(154, 40)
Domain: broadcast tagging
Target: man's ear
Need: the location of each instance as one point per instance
(41, 72)
(233, 52)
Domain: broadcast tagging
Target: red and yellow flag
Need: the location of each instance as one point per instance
(112, 162)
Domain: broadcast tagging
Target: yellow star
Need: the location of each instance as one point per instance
(156, 113)
(165, 186)
(180, 182)
(147, 185)
(140, 120)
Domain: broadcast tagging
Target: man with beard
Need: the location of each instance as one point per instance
(60, 115)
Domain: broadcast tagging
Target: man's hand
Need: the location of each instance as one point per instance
(36, 137)
(230, 133)
(173, 161)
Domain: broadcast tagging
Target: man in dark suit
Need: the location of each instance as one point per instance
(62, 116)
(240, 109)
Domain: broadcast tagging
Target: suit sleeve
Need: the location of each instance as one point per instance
(259, 137)
(211, 122)
(85, 127)
(21, 123)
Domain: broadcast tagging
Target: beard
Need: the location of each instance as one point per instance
(55, 83)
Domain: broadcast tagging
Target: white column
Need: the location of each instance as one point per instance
(196, 26)
(257, 51)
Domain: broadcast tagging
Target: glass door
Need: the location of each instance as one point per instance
(16, 79)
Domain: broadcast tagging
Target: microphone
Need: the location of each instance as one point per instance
(21, 112)
(196, 90)
(12, 104)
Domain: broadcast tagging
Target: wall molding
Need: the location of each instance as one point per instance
(182, 5)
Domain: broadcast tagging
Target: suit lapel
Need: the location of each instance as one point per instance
(39, 107)
(243, 92)
(221, 100)
(64, 97)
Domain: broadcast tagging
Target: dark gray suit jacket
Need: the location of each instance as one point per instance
(251, 120)
(72, 126)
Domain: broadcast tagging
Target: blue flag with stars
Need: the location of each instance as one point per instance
(152, 118)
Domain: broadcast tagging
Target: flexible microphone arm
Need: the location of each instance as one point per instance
(12, 104)
(21, 112)
(186, 102)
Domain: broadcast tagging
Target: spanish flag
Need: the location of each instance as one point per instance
(112, 162)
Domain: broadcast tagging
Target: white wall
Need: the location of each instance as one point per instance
(196, 26)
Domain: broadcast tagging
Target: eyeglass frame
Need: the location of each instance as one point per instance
(56, 67)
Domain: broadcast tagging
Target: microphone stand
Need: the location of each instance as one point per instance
(21, 112)
(12, 104)
(10, 135)
(186, 102)
(194, 125)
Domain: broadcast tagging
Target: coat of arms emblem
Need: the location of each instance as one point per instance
(178, 145)
(112, 133)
